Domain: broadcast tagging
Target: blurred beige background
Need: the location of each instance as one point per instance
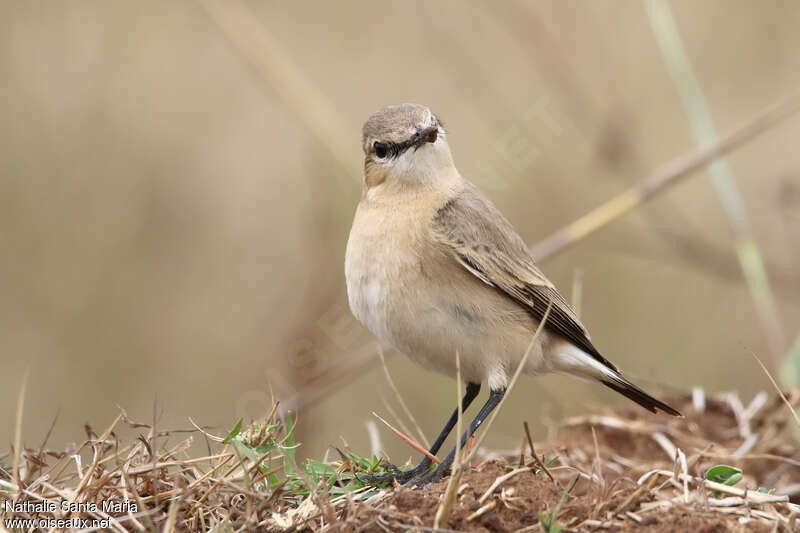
(172, 228)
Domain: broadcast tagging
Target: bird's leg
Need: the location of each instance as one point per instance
(425, 479)
(424, 466)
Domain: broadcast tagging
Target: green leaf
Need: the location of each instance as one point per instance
(363, 463)
(765, 490)
(544, 519)
(548, 524)
(551, 462)
(234, 432)
(288, 447)
(266, 447)
(318, 468)
(790, 369)
(318, 471)
(725, 474)
(245, 450)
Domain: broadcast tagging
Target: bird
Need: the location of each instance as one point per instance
(434, 269)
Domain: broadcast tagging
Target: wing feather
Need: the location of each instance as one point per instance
(481, 239)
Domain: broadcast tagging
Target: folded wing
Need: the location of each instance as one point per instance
(481, 239)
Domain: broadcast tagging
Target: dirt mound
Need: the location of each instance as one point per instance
(621, 471)
(632, 471)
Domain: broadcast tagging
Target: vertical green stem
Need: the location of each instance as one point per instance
(790, 369)
(702, 125)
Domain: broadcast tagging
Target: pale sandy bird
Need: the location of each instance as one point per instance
(434, 269)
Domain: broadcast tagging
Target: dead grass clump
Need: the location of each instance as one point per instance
(624, 470)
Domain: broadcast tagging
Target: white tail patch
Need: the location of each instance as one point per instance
(570, 360)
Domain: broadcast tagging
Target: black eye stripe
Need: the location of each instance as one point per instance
(395, 149)
(405, 145)
(391, 150)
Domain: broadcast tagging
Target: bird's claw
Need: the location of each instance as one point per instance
(425, 480)
(405, 477)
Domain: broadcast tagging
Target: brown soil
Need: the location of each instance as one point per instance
(613, 500)
(534, 494)
(621, 471)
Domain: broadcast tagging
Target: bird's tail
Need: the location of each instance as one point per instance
(573, 361)
(629, 390)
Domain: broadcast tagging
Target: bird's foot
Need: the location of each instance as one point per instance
(401, 476)
(426, 479)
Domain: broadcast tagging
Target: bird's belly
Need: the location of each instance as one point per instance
(383, 295)
(488, 349)
(431, 322)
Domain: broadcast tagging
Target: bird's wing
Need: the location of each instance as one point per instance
(480, 238)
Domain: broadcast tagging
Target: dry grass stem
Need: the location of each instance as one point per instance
(538, 462)
(778, 389)
(400, 400)
(175, 491)
(751, 261)
(18, 427)
(499, 481)
(408, 440)
(668, 175)
(453, 483)
(275, 66)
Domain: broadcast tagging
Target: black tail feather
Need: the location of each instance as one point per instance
(629, 390)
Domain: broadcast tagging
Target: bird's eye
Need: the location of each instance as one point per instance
(381, 149)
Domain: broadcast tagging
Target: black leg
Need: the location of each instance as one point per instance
(495, 397)
(424, 466)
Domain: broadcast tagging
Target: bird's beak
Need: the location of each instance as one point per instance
(428, 135)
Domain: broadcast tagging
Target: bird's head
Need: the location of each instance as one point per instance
(404, 144)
